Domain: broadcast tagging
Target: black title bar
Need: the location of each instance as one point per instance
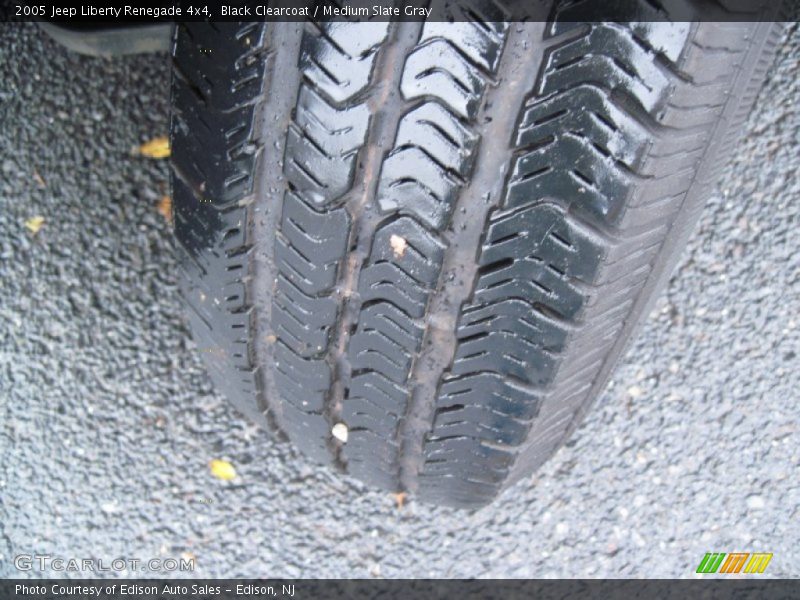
(101, 13)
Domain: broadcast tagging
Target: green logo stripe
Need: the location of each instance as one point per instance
(711, 562)
(701, 568)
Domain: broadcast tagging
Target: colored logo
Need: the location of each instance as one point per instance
(735, 562)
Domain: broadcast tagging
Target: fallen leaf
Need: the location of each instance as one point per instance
(222, 469)
(399, 499)
(164, 207)
(34, 224)
(155, 148)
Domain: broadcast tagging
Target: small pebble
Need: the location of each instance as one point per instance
(339, 431)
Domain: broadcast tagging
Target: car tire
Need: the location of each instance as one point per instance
(417, 249)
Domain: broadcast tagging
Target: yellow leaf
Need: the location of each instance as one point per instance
(164, 207)
(222, 469)
(155, 148)
(34, 224)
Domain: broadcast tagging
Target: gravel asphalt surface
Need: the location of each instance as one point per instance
(108, 420)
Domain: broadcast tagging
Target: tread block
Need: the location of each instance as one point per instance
(386, 280)
(303, 390)
(480, 40)
(309, 275)
(337, 57)
(621, 65)
(663, 36)
(484, 462)
(423, 174)
(409, 246)
(438, 133)
(374, 388)
(480, 422)
(313, 233)
(537, 253)
(392, 323)
(437, 69)
(413, 183)
(573, 169)
(320, 159)
(585, 112)
(491, 391)
(370, 349)
(304, 320)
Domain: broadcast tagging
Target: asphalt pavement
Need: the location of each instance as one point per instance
(108, 420)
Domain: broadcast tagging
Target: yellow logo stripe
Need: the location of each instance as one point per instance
(758, 562)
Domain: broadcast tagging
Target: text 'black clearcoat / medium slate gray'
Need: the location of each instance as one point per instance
(416, 250)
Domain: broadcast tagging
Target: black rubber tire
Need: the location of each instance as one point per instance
(418, 249)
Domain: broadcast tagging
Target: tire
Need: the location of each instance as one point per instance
(416, 250)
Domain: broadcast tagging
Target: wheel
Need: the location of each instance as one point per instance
(416, 250)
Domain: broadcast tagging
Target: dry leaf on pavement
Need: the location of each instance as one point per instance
(34, 224)
(164, 208)
(155, 148)
(222, 469)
